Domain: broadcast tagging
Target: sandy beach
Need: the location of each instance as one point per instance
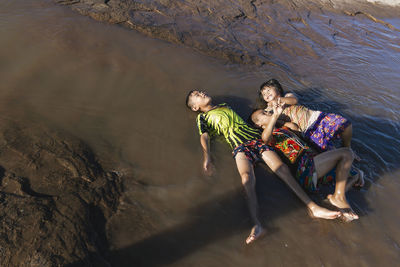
(100, 161)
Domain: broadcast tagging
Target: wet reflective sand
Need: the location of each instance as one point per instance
(123, 94)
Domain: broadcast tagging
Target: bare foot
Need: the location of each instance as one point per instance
(348, 215)
(347, 212)
(322, 213)
(360, 179)
(356, 180)
(356, 157)
(256, 232)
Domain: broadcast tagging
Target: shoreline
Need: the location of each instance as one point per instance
(249, 33)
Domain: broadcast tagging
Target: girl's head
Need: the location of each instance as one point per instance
(270, 90)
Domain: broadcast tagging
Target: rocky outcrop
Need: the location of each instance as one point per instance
(55, 199)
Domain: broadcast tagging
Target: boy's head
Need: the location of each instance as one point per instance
(260, 117)
(270, 90)
(196, 100)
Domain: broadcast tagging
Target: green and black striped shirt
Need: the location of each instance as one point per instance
(222, 120)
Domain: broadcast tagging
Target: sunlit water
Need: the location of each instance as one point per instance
(124, 95)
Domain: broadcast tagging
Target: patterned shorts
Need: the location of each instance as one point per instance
(306, 171)
(252, 149)
(307, 176)
(326, 128)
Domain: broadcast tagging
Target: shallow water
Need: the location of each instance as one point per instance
(124, 95)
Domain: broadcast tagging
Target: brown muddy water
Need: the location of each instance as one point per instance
(123, 94)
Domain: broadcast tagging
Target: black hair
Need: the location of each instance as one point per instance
(270, 83)
(250, 121)
(188, 97)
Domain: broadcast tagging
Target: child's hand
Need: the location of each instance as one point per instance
(208, 167)
(277, 107)
(273, 103)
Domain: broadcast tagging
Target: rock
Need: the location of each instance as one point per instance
(55, 199)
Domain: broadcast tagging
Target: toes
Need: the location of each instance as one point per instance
(336, 215)
(360, 179)
(255, 234)
(250, 239)
(359, 184)
(349, 215)
(356, 157)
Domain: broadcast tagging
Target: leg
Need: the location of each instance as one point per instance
(282, 170)
(346, 136)
(246, 172)
(342, 158)
(358, 180)
(355, 180)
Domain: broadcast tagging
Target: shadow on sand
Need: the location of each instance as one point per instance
(209, 222)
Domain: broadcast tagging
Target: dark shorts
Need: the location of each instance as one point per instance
(252, 149)
(326, 128)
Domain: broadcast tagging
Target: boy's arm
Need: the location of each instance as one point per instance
(268, 128)
(205, 145)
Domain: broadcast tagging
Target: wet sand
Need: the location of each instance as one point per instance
(123, 94)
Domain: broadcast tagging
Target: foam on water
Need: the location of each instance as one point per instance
(381, 2)
(385, 2)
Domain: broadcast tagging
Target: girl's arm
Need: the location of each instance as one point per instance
(292, 126)
(289, 99)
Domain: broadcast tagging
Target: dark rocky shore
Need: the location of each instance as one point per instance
(260, 32)
(55, 199)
